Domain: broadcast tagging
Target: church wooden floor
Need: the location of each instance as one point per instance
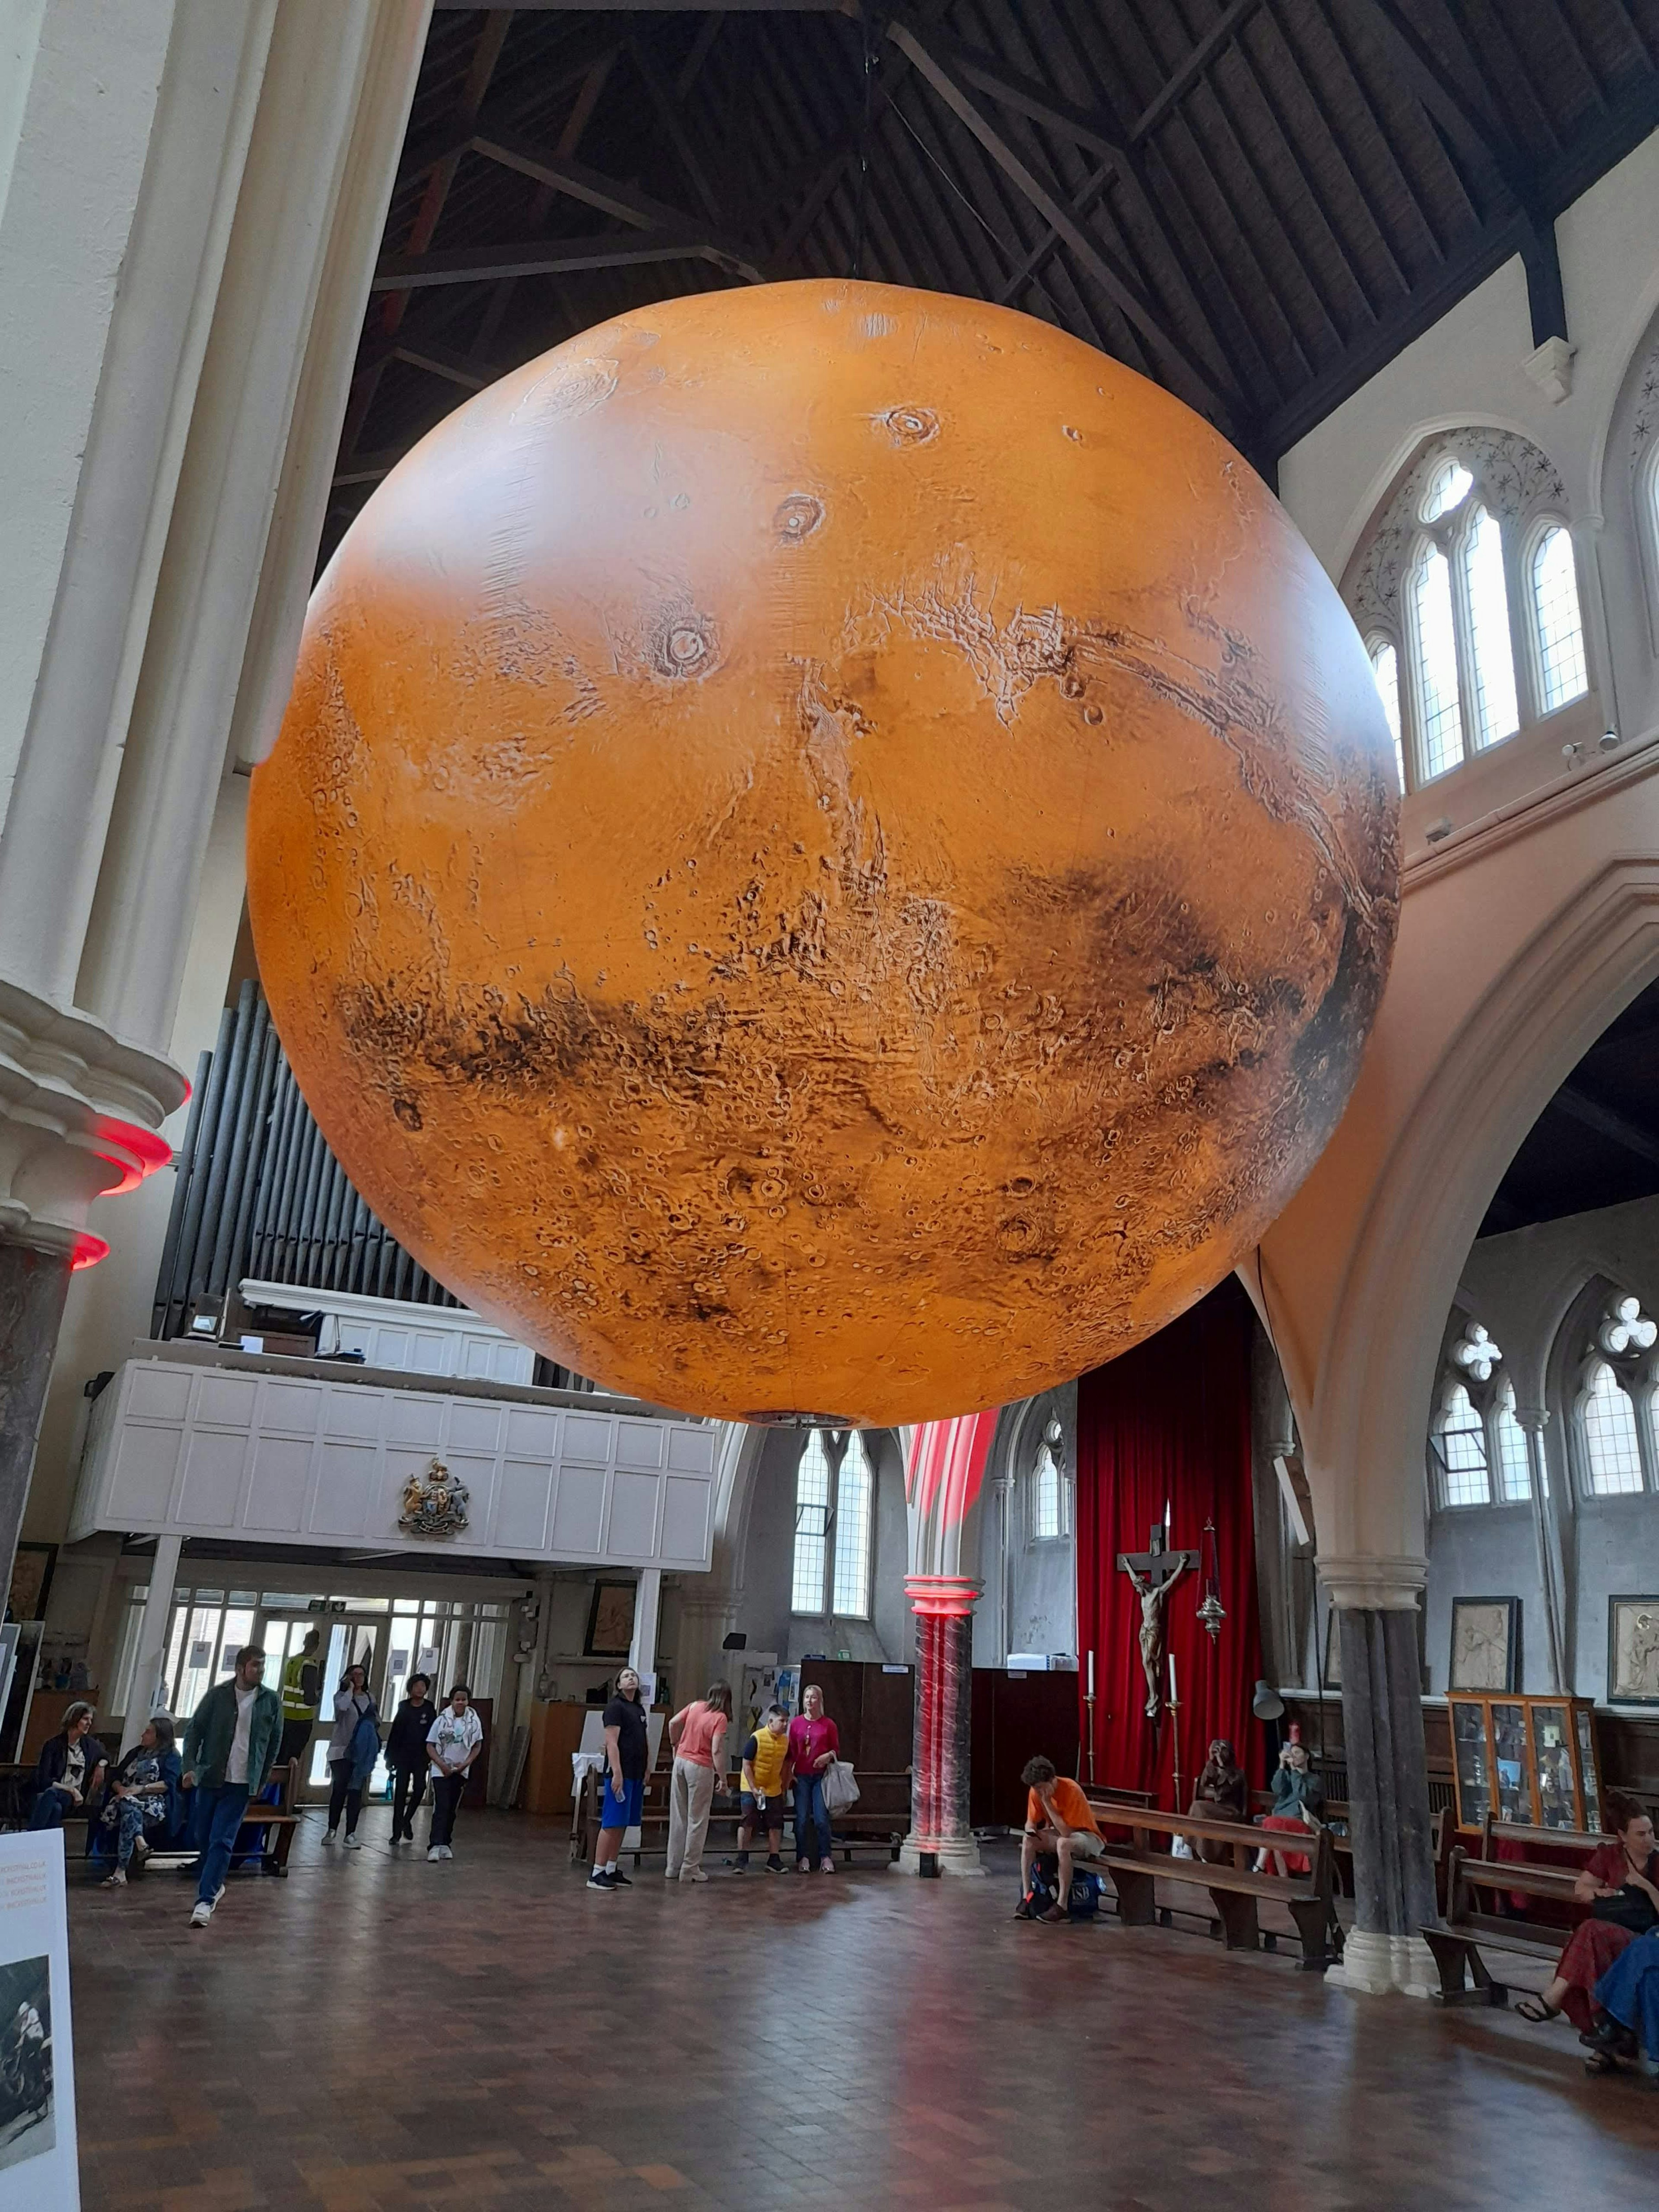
(378, 2032)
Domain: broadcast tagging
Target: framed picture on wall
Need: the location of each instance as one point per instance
(1333, 1676)
(609, 1621)
(1486, 1644)
(1633, 1651)
(31, 1581)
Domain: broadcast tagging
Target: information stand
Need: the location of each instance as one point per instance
(39, 2169)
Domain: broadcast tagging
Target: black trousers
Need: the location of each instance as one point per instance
(296, 1734)
(408, 1788)
(342, 1796)
(447, 1792)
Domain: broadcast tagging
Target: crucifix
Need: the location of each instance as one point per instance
(1154, 1573)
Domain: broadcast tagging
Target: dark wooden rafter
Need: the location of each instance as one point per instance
(1213, 393)
(1256, 201)
(1083, 127)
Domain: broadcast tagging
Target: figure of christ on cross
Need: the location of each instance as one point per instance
(1154, 1573)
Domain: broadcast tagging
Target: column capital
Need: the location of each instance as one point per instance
(1535, 1419)
(1385, 1584)
(942, 1593)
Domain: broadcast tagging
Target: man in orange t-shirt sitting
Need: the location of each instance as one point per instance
(1058, 1822)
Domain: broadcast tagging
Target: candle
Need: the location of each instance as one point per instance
(1091, 1674)
(1166, 1517)
(1172, 1680)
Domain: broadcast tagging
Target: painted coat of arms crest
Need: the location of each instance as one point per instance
(434, 1503)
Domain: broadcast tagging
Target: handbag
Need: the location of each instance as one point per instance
(1629, 1908)
(840, 1789)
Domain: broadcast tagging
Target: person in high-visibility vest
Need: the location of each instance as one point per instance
(302, 1696)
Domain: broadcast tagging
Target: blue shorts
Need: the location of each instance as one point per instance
(621, 1812)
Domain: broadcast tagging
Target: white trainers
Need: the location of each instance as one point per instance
(434, 1854)
(448, 1854)
(352, 1844)
(329, 1834)
(696, 1875)
(218, 1893)
(202, 1914)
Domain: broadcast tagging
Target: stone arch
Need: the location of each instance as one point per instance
(1375, 1366)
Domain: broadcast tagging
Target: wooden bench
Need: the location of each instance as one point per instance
(1473, 1941)
(864, 1825)
(1234, 1891)
(281, 1820)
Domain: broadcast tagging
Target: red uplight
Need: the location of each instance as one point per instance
(88, 1250)
(138, 1152)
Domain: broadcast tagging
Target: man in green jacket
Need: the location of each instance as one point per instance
(230, 1747)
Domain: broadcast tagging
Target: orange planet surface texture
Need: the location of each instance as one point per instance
(833, 852)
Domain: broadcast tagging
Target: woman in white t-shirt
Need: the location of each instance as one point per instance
(454, 1741)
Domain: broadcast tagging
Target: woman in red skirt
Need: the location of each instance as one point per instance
(1631, 1864)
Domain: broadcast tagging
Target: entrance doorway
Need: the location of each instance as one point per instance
(349, 1640)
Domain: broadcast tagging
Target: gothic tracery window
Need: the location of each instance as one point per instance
(1467, 593)
(1048, 1515)
(1477, 1445)
(835, 1526)
(1617, 1377)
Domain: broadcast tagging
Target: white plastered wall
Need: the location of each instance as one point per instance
(1522, 933)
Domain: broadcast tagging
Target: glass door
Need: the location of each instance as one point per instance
(347, 1642)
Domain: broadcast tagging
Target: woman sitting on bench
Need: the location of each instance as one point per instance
(1620, 1883)
(1298, 1800)
(71, 1769)
(143, 1795)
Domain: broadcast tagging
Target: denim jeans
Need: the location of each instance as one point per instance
(52, 1808)
(810, 1816)
(218, 1814)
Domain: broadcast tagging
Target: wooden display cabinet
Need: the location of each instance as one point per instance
(1534, 1760)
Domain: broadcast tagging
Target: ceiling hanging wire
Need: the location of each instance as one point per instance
(867, 37)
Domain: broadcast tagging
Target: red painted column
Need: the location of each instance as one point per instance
(940, 1827)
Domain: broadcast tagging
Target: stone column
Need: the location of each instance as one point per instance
(33, 1287)
(647, 1603)
(1552, 1569)
(1376, 1602)
(944, 1606)
(145, 1692)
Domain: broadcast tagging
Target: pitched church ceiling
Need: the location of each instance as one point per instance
(1257, 203)
(1597, 1141)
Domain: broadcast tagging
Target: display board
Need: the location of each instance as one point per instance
(39, 2170)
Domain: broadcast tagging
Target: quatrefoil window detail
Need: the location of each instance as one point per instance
(1627, 1328)
(1475, 1353)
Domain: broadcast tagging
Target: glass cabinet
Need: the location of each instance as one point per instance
(1530, 1761)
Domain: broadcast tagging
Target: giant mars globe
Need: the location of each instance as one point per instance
(833, 854)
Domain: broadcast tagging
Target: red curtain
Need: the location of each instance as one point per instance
(1170, 1422)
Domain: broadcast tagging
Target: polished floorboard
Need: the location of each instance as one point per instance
(376, 2031)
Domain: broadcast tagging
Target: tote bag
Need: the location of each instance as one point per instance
(839, 1790)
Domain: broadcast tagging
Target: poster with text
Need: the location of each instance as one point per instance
(38, 2166)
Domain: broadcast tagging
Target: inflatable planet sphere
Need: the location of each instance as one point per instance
(832, 855)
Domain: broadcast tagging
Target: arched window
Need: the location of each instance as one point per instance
(835, 1525)
(811, 1525)
(1439, 717)
(1460, 1440)
(1048, 1490)
(1496, 716)
(1466, 592)
(1385, 667)
(1558, 621)
(1514, 1468)
(1448, 486)
(1612, 1456)
(855, 1485)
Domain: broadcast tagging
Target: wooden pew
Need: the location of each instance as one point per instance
(878, 1822)
(1475, 1940)
(1234, 1891)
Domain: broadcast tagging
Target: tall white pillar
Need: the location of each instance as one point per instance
(144, 1697)
(648, 1610)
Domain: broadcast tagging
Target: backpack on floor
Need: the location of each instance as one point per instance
(1083, 1904)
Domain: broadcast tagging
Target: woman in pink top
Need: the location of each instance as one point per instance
(814, 1744)
(697, 1732)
